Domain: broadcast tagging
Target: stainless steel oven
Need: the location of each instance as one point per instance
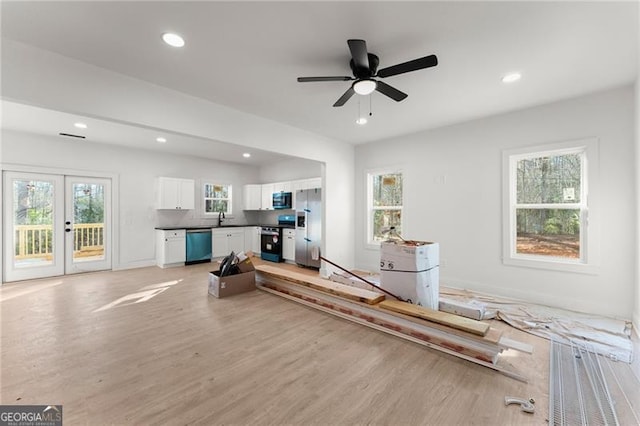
(271, 243)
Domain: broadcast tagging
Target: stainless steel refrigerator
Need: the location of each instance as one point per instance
(308, 227)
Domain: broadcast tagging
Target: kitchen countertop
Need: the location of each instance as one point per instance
(173, 228)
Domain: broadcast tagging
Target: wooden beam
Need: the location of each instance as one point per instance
(317, 283)
(493, 336)
(451, 320)
(397, 331)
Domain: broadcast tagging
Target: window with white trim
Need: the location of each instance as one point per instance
(384, 204)
(217, 198)
(546, 208)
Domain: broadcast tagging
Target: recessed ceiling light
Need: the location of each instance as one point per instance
(80, 125)
(246, 155)
(511, 77)
(361, 121)
(173, 39)
(161, 140)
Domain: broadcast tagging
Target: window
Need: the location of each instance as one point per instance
(546, 206)
(384, 204)
(217, 198)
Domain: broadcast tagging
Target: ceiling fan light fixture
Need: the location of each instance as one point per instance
(364, 87)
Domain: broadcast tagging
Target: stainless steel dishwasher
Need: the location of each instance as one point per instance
(198, 246)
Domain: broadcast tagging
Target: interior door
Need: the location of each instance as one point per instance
(87, 224)
(33, 225)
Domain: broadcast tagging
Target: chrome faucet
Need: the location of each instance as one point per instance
(220, 217)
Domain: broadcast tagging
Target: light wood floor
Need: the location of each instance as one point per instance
(184, 357)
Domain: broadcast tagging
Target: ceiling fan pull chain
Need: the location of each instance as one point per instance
(370, 112)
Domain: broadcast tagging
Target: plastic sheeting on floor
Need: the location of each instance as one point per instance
(606, 336)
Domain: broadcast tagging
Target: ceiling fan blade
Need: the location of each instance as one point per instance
(308, 79)
(345, 97)
(416, 64)
(391, 92)
(359, 53)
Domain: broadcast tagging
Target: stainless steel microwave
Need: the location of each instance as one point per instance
(281, 200)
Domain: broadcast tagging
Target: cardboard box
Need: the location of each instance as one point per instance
(421, 288)
(231, 284)
(407, 256)
(245, 265)
(411, 270)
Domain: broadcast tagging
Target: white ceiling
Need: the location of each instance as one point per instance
(247, 55)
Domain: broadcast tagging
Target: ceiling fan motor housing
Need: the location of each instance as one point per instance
(361, 72)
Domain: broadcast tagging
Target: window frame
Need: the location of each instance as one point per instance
(371, 209)
(589, 236)
(205, 198)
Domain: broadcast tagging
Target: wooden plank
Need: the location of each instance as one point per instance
(454, 321)
(493, 336)
(394, 332)
(514, 344)
(317, 283)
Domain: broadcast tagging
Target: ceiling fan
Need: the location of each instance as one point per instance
(364, 66)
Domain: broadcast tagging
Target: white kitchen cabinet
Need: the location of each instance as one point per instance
(282, 187)
(301, 184)
(175, 194)
(289, 244)
(252, 239)
(313, 183)
(252, 197)
(226, 240)
(170, 247)
(267, 196)
(310, 183)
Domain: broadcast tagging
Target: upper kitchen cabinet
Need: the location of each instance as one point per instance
(307, 184)
(252, 197)
(282, 187)
(175, 194)
(267, 196)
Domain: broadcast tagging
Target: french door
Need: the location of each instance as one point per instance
(55, 225)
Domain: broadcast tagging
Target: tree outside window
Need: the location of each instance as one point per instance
(549, 206)
(217, 198)
(384, 205)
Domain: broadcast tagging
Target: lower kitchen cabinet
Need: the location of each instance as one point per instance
(252, 239)
(170, 248)
(289, 244)
(226, 240)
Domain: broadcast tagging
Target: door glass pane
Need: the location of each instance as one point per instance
(548, 232)
(88, 222)
(33, 205)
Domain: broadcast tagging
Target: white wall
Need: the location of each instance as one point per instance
(636, 310)
(38, 77)
(464, 213)
(290, 169)
(136, 172)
